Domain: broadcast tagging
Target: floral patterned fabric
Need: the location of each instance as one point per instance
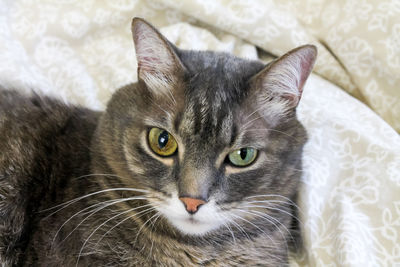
(81, 51)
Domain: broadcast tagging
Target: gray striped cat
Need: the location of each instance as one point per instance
(196, 164)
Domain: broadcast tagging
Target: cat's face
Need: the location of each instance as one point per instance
(207, 134)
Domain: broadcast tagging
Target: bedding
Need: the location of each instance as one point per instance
(81, 51)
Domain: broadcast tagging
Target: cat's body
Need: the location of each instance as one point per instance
(47, 153)
(52, 153)
(44, 144)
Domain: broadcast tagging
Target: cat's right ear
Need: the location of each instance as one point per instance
(159, 67)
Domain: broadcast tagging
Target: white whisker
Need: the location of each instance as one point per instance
(274, 243)
(109, 203)
(272, 208)
(273, 201)
(151, 235)
(143, 212)
(280, 223)
(229, 228)
(72, 201)
(255, 111)
(240, 228)
(271, 195)
(244, 127)
(243, 219)
(141, 227)
(271, 130)
(268, 220)
(98, 227)
(97, 174)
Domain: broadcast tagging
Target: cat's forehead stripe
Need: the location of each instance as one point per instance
(229, 129)
(177, 121)
(216, 125)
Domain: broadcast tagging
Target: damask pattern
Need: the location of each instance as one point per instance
(81, 51)
(358, 41)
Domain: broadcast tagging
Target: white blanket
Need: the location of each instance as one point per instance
(81, 51)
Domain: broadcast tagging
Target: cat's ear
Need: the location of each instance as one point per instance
(281, 82)
(159, 67)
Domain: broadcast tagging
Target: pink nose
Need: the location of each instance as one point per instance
(192, 204)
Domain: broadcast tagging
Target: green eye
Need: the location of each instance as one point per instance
(243, 157)
(162, 142)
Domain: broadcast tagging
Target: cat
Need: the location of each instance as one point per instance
(196, 164)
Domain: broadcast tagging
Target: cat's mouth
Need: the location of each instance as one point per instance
(189, 219)
(192, 220)
(193, 226)
(205, 220)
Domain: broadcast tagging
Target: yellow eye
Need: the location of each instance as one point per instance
(243, 157)
(162, 142)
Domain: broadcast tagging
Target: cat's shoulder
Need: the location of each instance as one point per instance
(31, 122)
(38, 135)
(34, 129)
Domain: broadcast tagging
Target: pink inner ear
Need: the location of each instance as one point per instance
(292, 98)
(152, 51)
(287, 76)
(146, 63)
(306, 65)
(158, 65)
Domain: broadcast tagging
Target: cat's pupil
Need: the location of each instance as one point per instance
(163, 139)
(243, 153)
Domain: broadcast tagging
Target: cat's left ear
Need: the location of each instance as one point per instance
(282, 81)
(159, 67)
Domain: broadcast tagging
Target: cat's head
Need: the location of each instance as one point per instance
(207, 134)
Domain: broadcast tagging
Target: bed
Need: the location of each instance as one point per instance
(82, 51)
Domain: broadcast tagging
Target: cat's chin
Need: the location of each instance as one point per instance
(204, 221)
